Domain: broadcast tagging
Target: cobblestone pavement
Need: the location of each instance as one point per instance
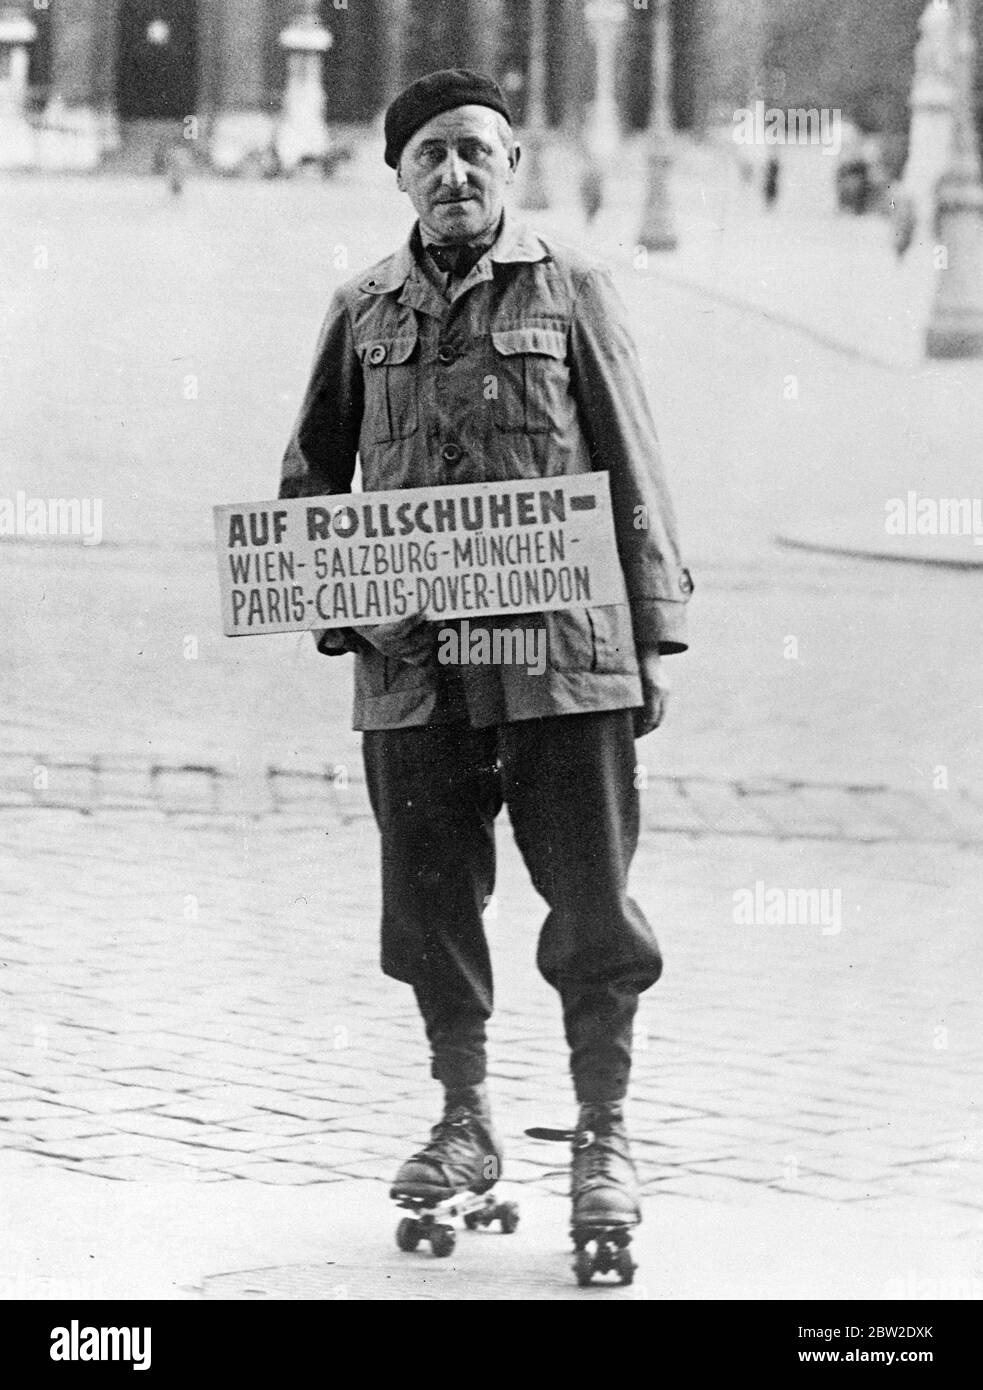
(201, 998)
(774, 808)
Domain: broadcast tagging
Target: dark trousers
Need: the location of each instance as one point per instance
(568, 783)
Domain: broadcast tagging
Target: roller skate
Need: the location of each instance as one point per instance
(452, 1178)
(604, 1192)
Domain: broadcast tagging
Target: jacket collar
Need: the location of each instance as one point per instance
(514, 244)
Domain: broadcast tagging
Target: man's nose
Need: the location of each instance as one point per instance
(454, 172)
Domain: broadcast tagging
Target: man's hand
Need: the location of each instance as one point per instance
(410, 640)
(655, 692)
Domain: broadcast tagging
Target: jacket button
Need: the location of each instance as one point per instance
(446, 355)
(686, 585)
(377, 354)
(452, 453)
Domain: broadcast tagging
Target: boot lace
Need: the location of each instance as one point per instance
(593, 1156)
(452, 1139)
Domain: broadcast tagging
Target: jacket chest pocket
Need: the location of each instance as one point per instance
(532, 378)
(389, 373)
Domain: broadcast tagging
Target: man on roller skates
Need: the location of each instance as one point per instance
(480, 352)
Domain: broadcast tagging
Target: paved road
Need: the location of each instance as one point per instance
(187, 1000)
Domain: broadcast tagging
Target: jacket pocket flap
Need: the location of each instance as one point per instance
(386, 352)
(549, 342)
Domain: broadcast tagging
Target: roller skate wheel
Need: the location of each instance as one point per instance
(583, 1267)
(443, 1241)
(473, 1220)
(625, 1266)
(508, 1217)
(408, 1234)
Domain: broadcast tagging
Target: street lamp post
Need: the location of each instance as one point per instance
(535, 191)
(603, 134)
(956, 325)
(658, 232)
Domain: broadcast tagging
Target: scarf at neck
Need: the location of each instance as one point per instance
(458, 261)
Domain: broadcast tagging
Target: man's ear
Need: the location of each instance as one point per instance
(400, 181)
(516, 156)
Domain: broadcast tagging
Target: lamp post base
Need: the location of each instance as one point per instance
(956, 325)
(70, 138)
(240, 140)
(18, 145)
(658, 230)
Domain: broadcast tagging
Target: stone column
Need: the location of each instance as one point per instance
(534, 189)
(74, 128)
(956, 325)
(602, 135)
(242, 128)
(574, 43)
(658, 230)
(605, 18)
(484, 30)
(17, 143)
(392, 32)
(933, 101)
(107, 60)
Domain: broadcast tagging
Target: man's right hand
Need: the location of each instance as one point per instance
(410, 640)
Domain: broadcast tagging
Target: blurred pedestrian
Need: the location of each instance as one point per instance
(176, 166)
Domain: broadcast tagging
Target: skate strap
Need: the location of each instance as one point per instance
(565, 1136)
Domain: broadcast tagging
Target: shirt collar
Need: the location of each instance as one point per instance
(419, 239)
(514, 244)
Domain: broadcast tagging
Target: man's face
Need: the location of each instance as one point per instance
(456, 170)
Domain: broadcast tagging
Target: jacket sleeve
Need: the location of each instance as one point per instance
(321, 455)
(617, 420)
(320, 458)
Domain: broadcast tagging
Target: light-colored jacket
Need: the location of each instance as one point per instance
(529, 371)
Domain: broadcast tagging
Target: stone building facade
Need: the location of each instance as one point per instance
(98, 69)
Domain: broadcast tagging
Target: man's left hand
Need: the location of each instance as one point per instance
(409, 639)
(655, 692)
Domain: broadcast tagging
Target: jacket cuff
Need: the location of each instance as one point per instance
(659, 623)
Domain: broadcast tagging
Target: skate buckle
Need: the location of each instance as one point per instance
(579, 1138)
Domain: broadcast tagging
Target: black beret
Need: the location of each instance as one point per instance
(433, 94)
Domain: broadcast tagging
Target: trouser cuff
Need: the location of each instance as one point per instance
(456, 1068)
(599, 1091)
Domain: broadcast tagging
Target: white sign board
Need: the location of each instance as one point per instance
(469, 551)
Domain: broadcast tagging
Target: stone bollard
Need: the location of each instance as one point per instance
(933, 98)
(17, 138)
(602, 137)
(302, 136)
